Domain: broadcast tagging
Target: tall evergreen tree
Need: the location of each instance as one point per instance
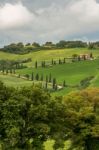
(42, 64)
(91, 55)
(19, 76)
(64, 61)
(46, 78)
(7, 71)
(54, 83)
(14, 71)
(52, 62)
(50, 77)
(10, 71)
(79, 58)
(64, 83)
(46, 85)
(37, 77)
(32, 76)
(3, 70)
(36, 64)
(59, 61)
(56, 87)
(42, 77)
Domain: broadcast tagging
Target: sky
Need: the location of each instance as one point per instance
(48, 20)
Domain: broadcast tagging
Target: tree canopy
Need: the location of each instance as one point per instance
(29, 116)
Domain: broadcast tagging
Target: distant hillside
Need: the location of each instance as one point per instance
(20, 48)
(47, 55)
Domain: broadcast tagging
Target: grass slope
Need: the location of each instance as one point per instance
(72, 73)
(48, 54)
(14, 81)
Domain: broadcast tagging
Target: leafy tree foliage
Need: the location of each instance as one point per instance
(29, 116)
(36, 45)
(24, 117)
(20, 48)
(82, 110)
(71, 44)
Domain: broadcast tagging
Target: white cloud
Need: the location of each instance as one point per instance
(14, 15)
(78, 17)
(55, 21)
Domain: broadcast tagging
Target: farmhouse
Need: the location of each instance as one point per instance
(86, 56)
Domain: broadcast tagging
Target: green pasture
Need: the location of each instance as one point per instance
(48, 55)
(72, 73)
(14, 81)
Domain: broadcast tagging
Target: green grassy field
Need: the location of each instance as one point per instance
(14, 81)
(72, 73)
(48, 55)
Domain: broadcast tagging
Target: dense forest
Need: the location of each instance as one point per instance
(29, 116)
(20, 48)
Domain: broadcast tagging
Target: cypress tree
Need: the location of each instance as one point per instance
(36, 65)
(56, 87)
(21, 66)
(3, 69)
(10, 71)
(54, 83)
(50, 77)
(42, 64)
(64, 61)
(52, 62)
(37, 77)
(18, 66)
(46, 78)
(42, 77)
(84, 57)
(27, 76)
(7, 71)
(64, 83)
(91, 55)
(32, 76)
(78, 58)
(14, 71)
(19, 76)
(46, 85)
(60, 61)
